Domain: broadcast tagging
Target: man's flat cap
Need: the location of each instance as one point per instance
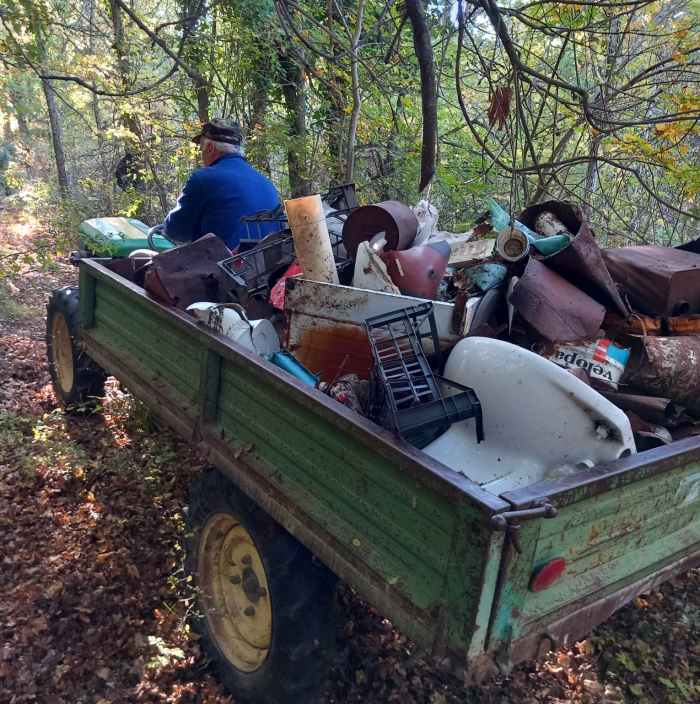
(220, 130)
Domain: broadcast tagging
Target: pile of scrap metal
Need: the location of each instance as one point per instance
(515, 352)
(625, 320)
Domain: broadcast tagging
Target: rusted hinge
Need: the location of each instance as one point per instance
(509, 521)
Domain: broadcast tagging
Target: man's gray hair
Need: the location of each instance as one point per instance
(225, 147)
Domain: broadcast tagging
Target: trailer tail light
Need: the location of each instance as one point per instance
(545, 576)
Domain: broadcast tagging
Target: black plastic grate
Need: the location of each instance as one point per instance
(406, 395)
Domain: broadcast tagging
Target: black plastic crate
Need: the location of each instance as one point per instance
(405, 394)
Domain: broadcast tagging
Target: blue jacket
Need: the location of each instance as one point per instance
(215, 198)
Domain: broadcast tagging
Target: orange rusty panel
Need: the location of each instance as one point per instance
(332, 348)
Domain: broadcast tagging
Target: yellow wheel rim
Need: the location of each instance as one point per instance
(234, 592)
(62, 352)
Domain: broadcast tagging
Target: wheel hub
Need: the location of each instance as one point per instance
(234, 592)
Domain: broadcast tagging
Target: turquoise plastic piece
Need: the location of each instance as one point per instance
(547, 246)
(552, 244)
(118, 237)
(487, 275)
(286, 361)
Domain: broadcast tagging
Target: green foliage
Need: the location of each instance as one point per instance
(286, 76)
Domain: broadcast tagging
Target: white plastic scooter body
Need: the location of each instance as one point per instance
(540, 421)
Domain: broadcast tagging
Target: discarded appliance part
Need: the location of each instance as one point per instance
(603, 360)
(659, 411)
(404, 393)
(325, 324)
(539, 420)
(312, 242)
(647, 435)
(418, 271)
(512, 245)
(230, 320)
(547, 224)
(349, 390)
(396, 219)
(559, 311)
(660, 281)
(291, 365)
(470, 252)
(371, 271)
(668, 367)
(188, 273)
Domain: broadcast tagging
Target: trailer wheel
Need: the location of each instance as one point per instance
(76, 378)
(266, 608)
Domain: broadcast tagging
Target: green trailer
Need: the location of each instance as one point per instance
(306, 490)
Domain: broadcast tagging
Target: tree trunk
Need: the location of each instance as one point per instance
(56, 138)
(294, 93)
(428, 88)
(356, 100)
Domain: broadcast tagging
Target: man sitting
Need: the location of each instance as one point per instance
(217, 196)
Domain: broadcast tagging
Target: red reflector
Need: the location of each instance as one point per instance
(543, 577)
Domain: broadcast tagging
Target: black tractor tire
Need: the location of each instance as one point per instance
(244, 565)
(77, 379)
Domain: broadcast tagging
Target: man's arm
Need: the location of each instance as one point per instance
(182, 222)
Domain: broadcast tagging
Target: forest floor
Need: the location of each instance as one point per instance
(94, 601)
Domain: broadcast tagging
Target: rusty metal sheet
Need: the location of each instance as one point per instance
(660, 411)
(668, 367)
(395, 219)
(556, 309)
(659, 281)
(581, 263)
(639, 324)
(325, 324)
(189, 273)
(647, 435)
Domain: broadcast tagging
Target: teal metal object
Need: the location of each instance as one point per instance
(118, 237)
(286, 361)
